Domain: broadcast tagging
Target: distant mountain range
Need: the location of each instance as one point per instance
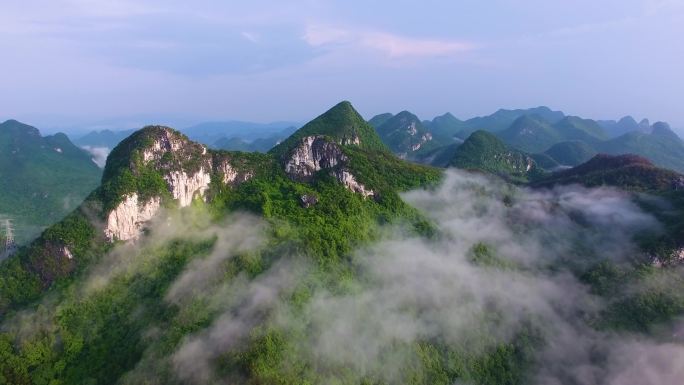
(41, 178)
(552, 138)
(228, 135)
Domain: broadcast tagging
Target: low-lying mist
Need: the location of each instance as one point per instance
(500, 274)
(499, 266)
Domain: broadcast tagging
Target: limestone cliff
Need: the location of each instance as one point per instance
(125, 222)
(186, 168)
(312, 154)
(315, 153)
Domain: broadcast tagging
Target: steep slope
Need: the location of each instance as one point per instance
(663, 131)
(341, 124)
(379, 119)
(658, 191)
(621, 127)
(104, 138)
(42, 178)
(629, 172)
(571, 153)
(545, 162)
(530, 134)
(485, 152)
(502, 119)
(663, 147)
(575, 128)
(206, 295)
(404, 134)
(322, 194)
(159, 167)
(445, 127)
(439, 156)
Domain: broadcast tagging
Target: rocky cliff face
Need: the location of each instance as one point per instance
(675, 258)
(231, 175)
(185, 166)
(517, 161)
(404, 133)
(126, 221)
(312, 154)
(188, 170)
(316, 153)
(349, 181)
(184, 188)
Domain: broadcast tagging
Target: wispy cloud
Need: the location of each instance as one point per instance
(385, 43)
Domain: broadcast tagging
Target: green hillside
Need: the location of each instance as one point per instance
(484, 151)
(405, 134)
(341, 123)
(43, 178)
(530, 134)
(575, 128)
(95, 348)
(379, 119)
(571, 153)
(226, 286)
(663, 148)
(629, 172)
(502, 119)
(445, 127)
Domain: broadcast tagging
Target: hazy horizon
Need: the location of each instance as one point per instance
(76, 62)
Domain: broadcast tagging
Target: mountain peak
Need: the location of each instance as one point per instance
(16, 126)
(404, 133)
(628, 121)
(663, 129)
(484, 151)
(150, 143)
(341, 124)
(380, 119)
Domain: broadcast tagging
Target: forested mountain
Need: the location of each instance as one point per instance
(105, 138)
(484, 151)
(551, 137)
(331, 260)
(41, 178)
(405, 134)
(662, 146)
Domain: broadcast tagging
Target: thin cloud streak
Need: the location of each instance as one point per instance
(385, 43)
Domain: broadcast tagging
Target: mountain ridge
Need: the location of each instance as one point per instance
(43, 177)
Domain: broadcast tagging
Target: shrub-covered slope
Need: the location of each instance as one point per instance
(41, 178)
(484, 151)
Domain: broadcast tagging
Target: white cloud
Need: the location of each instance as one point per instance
(99, 154)
(250, 36)
(385, 43)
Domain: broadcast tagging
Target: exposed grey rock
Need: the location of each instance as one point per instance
(308, 200)
(313, 154)
(349, 181)
(126, 221)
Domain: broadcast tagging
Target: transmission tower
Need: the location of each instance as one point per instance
(10, 244)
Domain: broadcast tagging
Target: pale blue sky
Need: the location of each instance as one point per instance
(77, 60)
